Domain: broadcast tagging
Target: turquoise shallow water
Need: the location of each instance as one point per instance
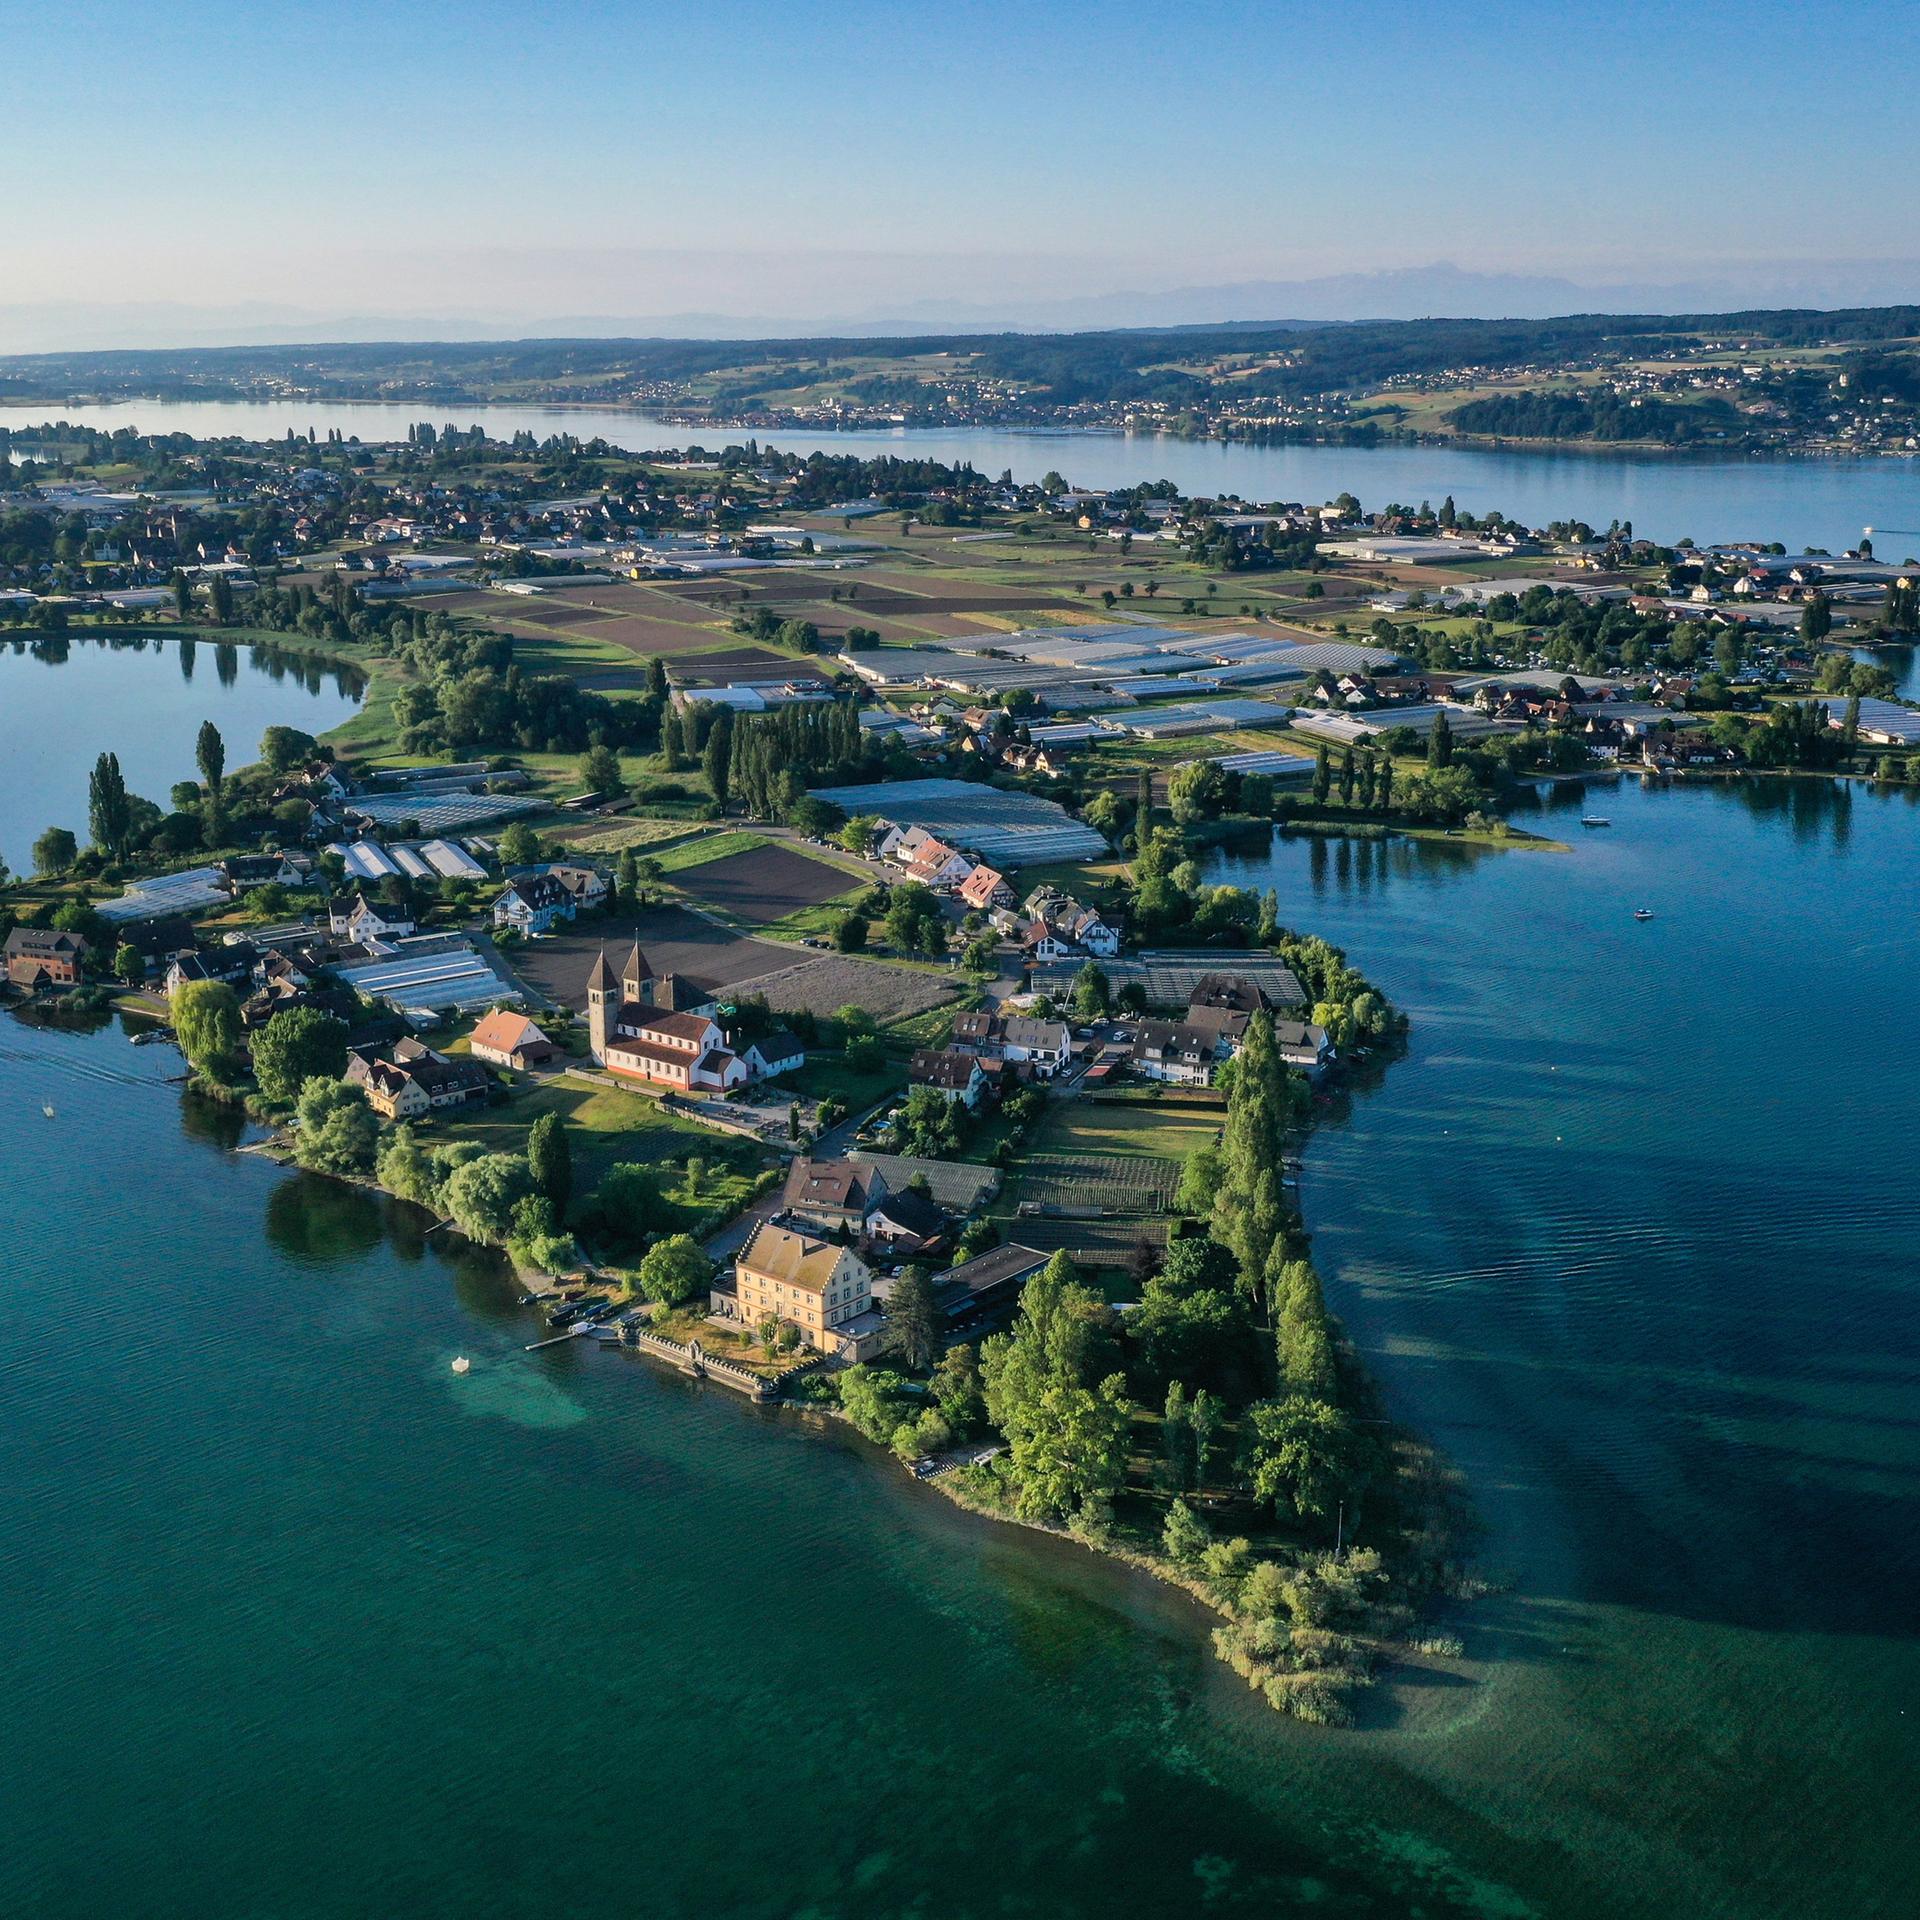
(301, 1624)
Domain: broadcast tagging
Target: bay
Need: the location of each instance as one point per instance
(66, 699)
(1802, 501)
(301, 1623)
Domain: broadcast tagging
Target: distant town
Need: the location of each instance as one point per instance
(1790, 380)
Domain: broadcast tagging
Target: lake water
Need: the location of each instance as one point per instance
(65, 700)
(300, 1623)
(1803, 502)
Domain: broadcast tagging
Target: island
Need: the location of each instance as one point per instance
(775, 901)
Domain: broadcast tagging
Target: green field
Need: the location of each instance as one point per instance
(608, 1126)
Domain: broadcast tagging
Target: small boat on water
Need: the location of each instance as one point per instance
(461, 1363)
(1595, 820)
(47, 1109)
(1643, 913)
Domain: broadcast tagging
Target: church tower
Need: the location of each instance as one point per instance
(601, 989)
(636, 978)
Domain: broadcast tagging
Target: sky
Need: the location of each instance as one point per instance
(205, 164)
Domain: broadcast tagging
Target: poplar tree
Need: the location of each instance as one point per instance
(211, 753)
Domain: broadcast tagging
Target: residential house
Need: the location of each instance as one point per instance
(824, 1290)
(1303, 1046)
(245, 870)
(1228, 992)
(832, 1195)
(588, 886)
(355, 916)
(984, 889)
(906, 1222)
(1040, 1047)
(510, 1039)
(409, 1080)
(39, 958)
(951, 1073)
(925, 858)
(1175, 1052)
(232, 966)
(532, 903)
(774, 1053)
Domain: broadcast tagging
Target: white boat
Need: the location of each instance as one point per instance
(461, 1363)
(1594, 820)
(1643, 913)
(47, 1109)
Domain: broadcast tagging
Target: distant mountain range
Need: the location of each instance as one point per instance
(1408, 293)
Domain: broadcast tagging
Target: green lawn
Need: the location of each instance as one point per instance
(607, 1126)
(1129, 1128)
(829, 1074)
(712, 846)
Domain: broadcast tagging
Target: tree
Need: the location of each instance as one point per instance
(335, 1128)
(295, 1046)
(1440, 742)
(1303, 1452)
(182, 593)
(657, 677)
(1092, 991)
(600, 771)
(957, 1388)
(55, 851)
(1207, 1415)
(717, 761)
(914, 1316)
(626, 879)
(404, 1170)
(1196, 791)
(220, 598)
(674, 1270)
(109, 807)
(482, 1194)
(1199, 1181)
(550, 1161)
(869, 1397)
(519, 846)
(1322, 775)
(1303, 1338)
(1066, 1429)
(128, 964)
(285, 748)
(210, 754)
(206, 1023)
(1184, 1538)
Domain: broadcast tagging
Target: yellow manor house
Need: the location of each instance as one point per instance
(824, 1290)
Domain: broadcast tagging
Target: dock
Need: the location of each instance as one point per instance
(558, 1339)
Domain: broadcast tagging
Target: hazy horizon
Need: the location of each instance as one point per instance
(213, 173)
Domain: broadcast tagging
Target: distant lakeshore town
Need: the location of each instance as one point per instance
(769, 897)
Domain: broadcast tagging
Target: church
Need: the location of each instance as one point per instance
(635, 1030)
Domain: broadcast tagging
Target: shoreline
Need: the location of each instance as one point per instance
(1432, 1590)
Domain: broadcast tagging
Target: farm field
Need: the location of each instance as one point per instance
(674, 939)
(823, 981)
(766, 882)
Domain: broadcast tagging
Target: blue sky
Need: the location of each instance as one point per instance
(637, 159)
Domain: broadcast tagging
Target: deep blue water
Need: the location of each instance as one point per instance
(301, 1624)
(66, 700)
